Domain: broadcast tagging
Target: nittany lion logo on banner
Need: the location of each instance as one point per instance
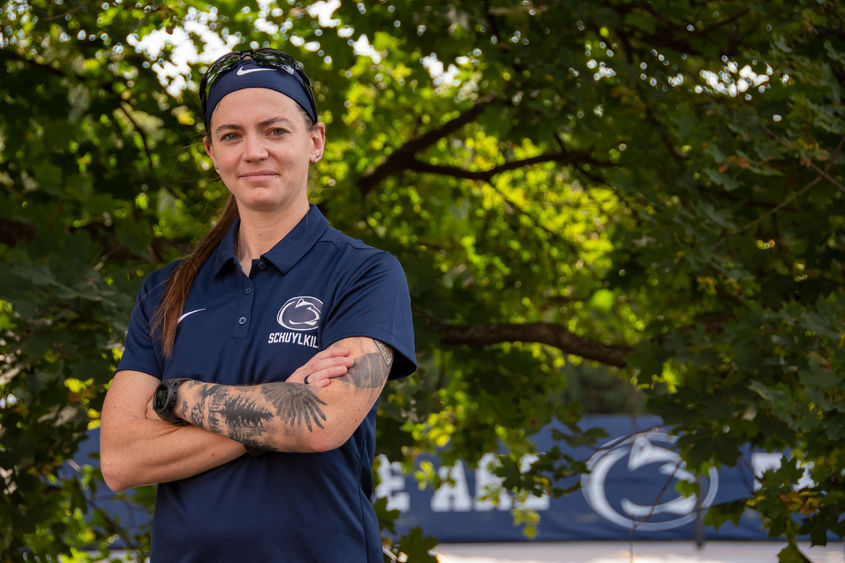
(646, 459)
(300, 313)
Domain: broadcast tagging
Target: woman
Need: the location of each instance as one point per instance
(252, 368)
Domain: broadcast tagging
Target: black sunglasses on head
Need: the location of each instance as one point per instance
(270, 58)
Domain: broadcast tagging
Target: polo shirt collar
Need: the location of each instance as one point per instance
(299, 241)
(225, 253)
(287, 251)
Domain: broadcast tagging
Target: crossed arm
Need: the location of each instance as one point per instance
(138, 448)
(288, 417)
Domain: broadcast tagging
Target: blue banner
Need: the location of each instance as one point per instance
(628, 494)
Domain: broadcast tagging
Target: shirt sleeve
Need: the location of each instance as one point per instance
(375, 303)
(140, 351)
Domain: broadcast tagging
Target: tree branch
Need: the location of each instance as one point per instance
(66, 13)
(541, 332)
(140, 132)
(675, 34)
(487, 175)
(822, 174)
(807, 161)
(399, 159)
(109, 86)
(769, 213)
(12, 232)
(494, 28)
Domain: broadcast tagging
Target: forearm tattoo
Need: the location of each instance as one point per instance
(242, 413)
(295, 404)
(370, 370)
(229, 411)
(232, 414)
(386, 352)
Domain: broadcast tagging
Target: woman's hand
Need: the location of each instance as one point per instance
(323, 367)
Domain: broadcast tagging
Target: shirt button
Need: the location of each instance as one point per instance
(262, 265)
(248, 290)
(242, 321)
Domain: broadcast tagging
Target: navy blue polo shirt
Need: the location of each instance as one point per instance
(315, 287)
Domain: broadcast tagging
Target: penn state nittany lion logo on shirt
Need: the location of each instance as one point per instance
(300, 313)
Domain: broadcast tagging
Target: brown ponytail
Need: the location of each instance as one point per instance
(182, 278)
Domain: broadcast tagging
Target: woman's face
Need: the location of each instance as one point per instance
(261, 145)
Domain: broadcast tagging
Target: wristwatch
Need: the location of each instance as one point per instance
(164, 399)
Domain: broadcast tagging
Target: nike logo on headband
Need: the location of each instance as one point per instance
(241, 71)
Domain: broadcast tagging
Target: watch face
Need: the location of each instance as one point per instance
(160, 398)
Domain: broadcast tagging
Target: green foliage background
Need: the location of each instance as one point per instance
(642, 192)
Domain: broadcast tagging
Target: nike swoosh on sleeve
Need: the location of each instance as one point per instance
(188, 314)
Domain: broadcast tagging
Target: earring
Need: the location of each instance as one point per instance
(317, 157)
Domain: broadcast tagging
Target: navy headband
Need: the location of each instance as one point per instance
(248, 74)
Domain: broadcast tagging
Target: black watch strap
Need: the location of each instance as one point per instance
(164, 399)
